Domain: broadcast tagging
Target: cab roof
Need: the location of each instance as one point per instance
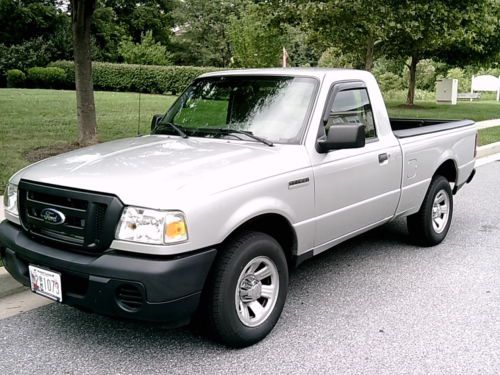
(319, 73)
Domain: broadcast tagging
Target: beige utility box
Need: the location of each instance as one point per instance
(447, 91)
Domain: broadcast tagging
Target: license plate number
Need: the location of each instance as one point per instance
(46, 283)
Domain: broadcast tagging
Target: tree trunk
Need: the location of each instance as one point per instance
(370, 47)
(410, 98)
(81, 14)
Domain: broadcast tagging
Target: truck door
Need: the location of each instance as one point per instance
(356, 189)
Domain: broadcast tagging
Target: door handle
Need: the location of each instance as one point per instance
(382, 158)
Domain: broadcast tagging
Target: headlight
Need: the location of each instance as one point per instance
(10, 200)
(151, 226)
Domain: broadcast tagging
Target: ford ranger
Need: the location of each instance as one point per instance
(249, 173)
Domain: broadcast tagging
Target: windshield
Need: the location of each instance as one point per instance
(273, 108)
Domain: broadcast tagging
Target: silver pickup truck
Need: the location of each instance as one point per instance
(248, 174)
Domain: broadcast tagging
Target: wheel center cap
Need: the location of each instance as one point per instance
(250, 289)
(435, 211)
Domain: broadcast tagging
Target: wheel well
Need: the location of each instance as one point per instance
(275, 226)
(447, 170)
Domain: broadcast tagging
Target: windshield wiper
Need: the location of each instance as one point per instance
(175, 127)
(244, 132)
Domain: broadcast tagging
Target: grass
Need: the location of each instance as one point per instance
(490, 135)
(31, 120)
(477, 110)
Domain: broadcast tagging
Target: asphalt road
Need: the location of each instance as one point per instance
(375, 305)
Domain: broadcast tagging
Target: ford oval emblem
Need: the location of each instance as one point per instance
(52, 216)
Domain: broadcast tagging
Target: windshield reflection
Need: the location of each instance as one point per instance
(274, 108)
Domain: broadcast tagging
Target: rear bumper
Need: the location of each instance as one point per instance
(168, 289)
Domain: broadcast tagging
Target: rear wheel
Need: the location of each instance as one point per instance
(430, 225)
(247, 289)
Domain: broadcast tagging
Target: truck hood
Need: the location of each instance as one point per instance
(158, 171)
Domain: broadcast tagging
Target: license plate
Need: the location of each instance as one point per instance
(46, 283)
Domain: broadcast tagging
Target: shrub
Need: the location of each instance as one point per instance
(34, 52)
(147, 52)
(400, 95)
(136, 78)
(47, 78)
(15, 78)
(390, 81)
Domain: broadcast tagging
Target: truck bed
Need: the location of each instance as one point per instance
(410, 127)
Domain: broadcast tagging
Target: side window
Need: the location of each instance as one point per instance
(352, 106)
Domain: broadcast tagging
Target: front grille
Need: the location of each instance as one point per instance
(83, 220)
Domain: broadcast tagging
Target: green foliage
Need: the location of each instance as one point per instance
(15, 78)
(136, 78)
(255, 42)
(453, 31)
(25, 20)
(400, 95)
(47, 78)
(464, 79)
(356, 27)
(427, 74)
(147, 52)
(134, 17)
(204, 31)
(107, 33)
(35, 52)
(334, 58)
(390, 82)
(300, 53)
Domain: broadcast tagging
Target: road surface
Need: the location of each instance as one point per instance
(375, 305)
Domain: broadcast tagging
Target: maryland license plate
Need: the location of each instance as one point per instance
(46, 283)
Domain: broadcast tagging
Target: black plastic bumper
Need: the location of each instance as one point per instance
(469, 179)
(164, 289)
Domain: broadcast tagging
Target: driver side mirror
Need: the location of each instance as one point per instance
(343, 136)
(155, 121)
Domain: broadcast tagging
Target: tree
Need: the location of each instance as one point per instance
(255, 42)
(204, 38)
(135, 17)
(355, 27)
(81, 16)
(456, 31)
(107, 33)
(24, 20)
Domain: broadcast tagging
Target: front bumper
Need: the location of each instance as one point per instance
(162, 289)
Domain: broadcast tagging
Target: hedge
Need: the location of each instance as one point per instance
(16, 78)
(47, 78)
(136, 78)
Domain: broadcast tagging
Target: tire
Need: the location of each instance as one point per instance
(244, 271)
(430, 225)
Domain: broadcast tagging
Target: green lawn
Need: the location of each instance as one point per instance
(31, 119)
(490, 135)
(477, 110)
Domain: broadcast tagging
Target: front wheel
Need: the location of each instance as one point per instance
(247, 289)
(429, 226)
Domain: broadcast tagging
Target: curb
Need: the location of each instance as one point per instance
(8, 285)
(487, 150)
(487, 124)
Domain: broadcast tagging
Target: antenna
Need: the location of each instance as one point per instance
(139, 115)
